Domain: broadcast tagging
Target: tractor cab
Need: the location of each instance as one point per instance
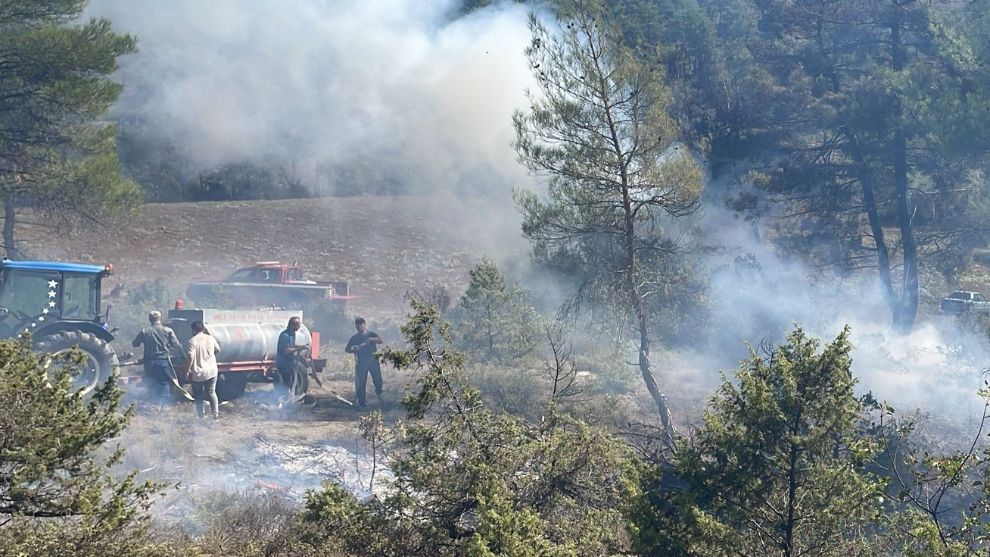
(35, 294)
(59, 305)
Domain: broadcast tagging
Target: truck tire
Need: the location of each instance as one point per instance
(101, 361)
(230, 386)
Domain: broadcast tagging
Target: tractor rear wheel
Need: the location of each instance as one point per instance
(99, 364)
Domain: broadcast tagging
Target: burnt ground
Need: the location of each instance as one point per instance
(384, 247)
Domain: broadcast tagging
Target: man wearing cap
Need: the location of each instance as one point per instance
(158, 341)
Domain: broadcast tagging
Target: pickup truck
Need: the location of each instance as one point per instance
(961, 301)
(267, 283)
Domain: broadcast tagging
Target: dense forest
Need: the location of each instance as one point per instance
(851, 134)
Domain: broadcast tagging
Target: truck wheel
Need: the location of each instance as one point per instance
(99, 365)
(231, 386)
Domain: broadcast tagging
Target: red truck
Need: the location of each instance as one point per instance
(267, 283)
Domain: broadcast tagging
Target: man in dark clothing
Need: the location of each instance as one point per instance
(158, 341)
(285, 355)
(363, 345)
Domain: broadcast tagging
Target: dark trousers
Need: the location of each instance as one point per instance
(361, 371)
(286, 375)
(158, 373)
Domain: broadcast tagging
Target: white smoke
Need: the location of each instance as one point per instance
(415, 90)
(937, 368)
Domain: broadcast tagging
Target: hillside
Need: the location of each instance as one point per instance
(384, 246)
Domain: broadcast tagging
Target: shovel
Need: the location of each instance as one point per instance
(175, 382)
(340, 398)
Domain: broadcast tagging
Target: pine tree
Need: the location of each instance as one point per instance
(51, 442)
(600, 134)
(57, 154)
(495, 320)
(779, 467)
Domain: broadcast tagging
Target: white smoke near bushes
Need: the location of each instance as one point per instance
(757, 296)
(413, 93)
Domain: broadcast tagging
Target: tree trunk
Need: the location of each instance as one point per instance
(646, 369)
(907, 309)
(636, 300)
(876, 228)
(9, 216)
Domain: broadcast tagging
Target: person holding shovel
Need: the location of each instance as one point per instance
(159, 341)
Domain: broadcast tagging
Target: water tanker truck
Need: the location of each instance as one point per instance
(248, 340)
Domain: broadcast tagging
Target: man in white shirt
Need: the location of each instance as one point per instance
(202, 357)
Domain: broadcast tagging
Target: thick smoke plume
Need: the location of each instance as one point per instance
(419, 95)
(415, 93)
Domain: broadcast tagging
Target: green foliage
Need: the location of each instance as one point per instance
(604, 197)
(616, 172)
(518, 391)
(130, 314)
(57, 153)
(249, 180)
(245, 525)
(780, 465)
(495, 321)
(865, 151)
(941, 498)
(471, 482)
(53, 463)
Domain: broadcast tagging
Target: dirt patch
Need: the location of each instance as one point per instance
(384, 246)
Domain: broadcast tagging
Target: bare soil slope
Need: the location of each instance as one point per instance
(384, 246)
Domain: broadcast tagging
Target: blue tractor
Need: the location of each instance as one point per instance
(59, 305)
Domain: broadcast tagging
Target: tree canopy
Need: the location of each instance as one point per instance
(57, 153)
(599, 132)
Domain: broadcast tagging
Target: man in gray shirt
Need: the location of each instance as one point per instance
(158, 341)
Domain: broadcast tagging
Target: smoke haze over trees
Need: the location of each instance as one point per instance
(663, 188)
(385, 97)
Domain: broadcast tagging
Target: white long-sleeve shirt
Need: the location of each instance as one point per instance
(202, 354)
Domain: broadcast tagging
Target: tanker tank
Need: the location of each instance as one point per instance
(244, 336)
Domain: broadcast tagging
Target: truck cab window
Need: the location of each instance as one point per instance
(245, 275)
